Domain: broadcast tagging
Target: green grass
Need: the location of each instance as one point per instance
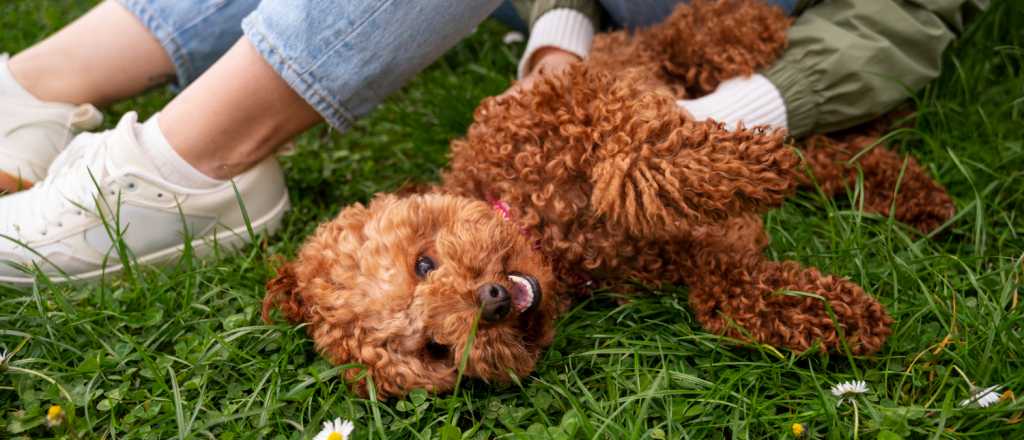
(181, 352)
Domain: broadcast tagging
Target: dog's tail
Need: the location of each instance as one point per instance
(283, 294)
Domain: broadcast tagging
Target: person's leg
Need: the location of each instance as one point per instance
(298, 61)
(121, 48)
(302, 61)
(632, 14)
(508, 15)
(104, 56)
(222, 126)
(116, 50)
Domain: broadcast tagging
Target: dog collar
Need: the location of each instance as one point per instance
(506, 213)
(502, 208)
(580, 278)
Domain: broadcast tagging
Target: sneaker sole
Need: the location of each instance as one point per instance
(11, 184)
(227, 239)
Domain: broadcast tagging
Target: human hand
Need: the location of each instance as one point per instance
(545, 61)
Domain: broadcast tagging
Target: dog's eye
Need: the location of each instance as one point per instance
(424, 265)
(438, 351)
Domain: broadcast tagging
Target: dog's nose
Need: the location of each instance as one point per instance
(495, 300)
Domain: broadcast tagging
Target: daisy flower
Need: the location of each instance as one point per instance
(54, 416)
(846, 390)
(983, 397)
(336, 429)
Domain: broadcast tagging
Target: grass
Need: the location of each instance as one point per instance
(181, 352)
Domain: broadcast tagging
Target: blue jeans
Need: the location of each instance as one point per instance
(342, 56)
(633, 13)
(622, 13)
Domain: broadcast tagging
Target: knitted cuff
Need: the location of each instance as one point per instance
(752, 100)
(563, 28)
(797, 86)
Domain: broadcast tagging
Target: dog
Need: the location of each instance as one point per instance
(590, 179)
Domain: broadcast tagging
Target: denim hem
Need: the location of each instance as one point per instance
(332, 111)
(160, 30)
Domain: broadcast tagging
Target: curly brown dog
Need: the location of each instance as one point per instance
(593, 178)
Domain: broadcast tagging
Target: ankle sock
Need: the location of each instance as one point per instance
(9, 86)
(168, 162)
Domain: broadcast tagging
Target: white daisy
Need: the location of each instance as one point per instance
(983, 397)
(846, 390)
(336, 429)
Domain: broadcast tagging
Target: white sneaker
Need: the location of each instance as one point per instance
(33, 133)
(65, 224)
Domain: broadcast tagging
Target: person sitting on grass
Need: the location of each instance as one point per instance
(254, 74)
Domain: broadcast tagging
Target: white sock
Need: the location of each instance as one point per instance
(168, 162)
(752, 100)
(8, 86)
(564, 28)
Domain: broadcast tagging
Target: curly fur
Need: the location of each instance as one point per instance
(697, 46)
(353, 283)
(605, 173)
(889, 181)
(606, 183)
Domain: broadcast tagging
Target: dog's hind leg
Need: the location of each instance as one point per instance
(745, 296)
(890, 181)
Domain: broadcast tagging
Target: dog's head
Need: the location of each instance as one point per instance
(397, 287)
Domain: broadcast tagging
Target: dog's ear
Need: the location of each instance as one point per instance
(282, 293)
(694, 175)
